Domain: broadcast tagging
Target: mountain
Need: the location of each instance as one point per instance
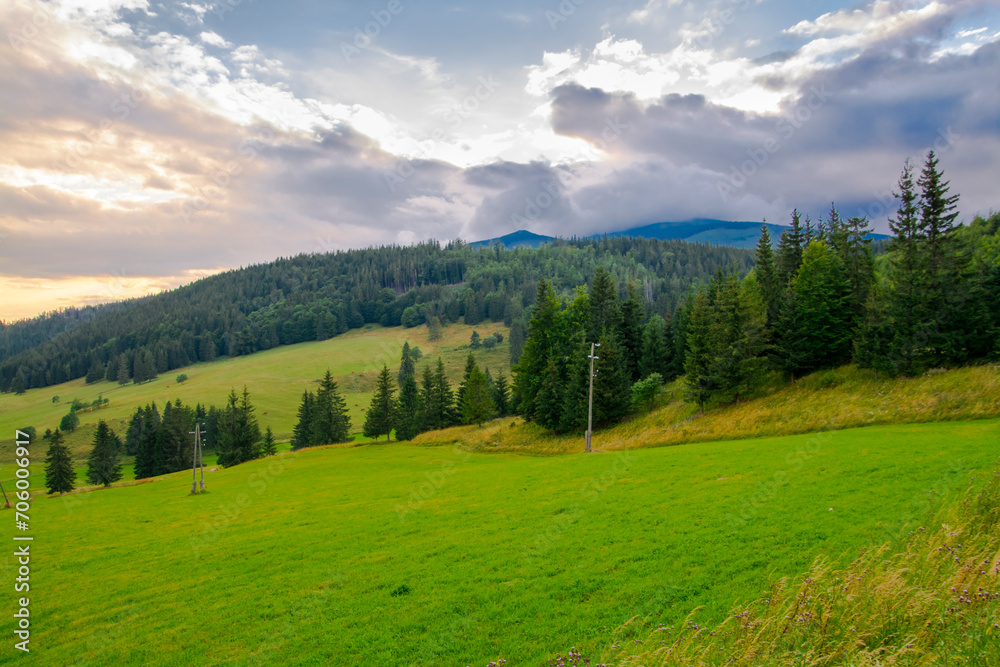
(735, 234)
(522, 238)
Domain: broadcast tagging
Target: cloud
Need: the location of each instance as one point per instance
(214, 39)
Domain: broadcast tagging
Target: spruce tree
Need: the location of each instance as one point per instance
(18, 387)
(302, 432)
(407, 364)
(790, 250)
(656, 356)
(269, 447)
(103, 466)
(698, 381)
(501, 395)
(145, 457)
(822, 333)
(549, 402)
(576, 393)
(133, 432)
(380, 418)
(429, 409)
(123, 374)
(59, 472)
(329, 422)
(604, 308)
(630, 333)
(768, 281)
(470, 363)
(96, 371)
(239, 433)
(477, 404)
(408, 418)
(612, 389)
(531, 370)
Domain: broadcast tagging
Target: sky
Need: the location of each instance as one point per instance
(146, 144)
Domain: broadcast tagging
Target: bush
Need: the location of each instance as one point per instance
(30, 432)
(69, 421)
(182, 378)
(645, 390)
(55, 399)
(489, 342)
(498, 336)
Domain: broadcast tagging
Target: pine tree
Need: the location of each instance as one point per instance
(302, 432)
(656, 356)
(603, 303)
(380, 418)
(516, 341)
(133, 432)
(470, 363)
(407, 365)
(123, 374)
(576, 393)
(477, 405)
(329, 422)
(549, 402)
(905, 306)
(239, 433)
(474, 341)
(612, 389)
(429, 409)
(531, 370)
(269, 446)
(18, 386)
(145, 457)
(96, 371)
(790, 247)
(822, 333)
(768, 280)
(59, 472)
(103, 466)
(630, 333)
(408, 419)
(433, 328)
(501, 395)
(698, 360)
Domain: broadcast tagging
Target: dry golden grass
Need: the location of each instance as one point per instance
(827, 400)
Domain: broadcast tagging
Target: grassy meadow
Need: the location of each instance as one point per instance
(407, 555)
(276, 379)
(827, 400)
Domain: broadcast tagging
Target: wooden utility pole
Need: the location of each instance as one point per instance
(6, 502)
(590, 407)
(197, 460)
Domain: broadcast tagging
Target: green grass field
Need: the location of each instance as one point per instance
(409, 555)
(276, 379)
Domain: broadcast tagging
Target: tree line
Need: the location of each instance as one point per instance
(821, 299)
(318, 296)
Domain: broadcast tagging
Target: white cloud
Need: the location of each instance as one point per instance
(214, 39)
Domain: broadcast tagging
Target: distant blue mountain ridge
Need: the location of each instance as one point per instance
(736, 234)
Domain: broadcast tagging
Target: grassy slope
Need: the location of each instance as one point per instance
(837, 399)
(276, 379)
(295, 559)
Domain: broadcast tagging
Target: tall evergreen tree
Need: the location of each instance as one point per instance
(103, 466)
(698, 380)
(96, 371)
(145, 457)
(407, 365)
(477, 402)
(603, 304)
(381, 415)
(501, 395)
(630, 333)
(239, 432)
(531, 370)
(302, 432)
(133, 432)
(612, 389)
(768, 280)
(822, 333)
(59, 473)
(18, 387)
(269, 447)
(329, 422)
(123, 374)
(790, 247)
(408, 418)
(656, 355)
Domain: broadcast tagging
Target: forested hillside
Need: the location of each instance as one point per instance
(315, 297)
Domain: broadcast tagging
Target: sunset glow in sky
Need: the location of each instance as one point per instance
(146, 144)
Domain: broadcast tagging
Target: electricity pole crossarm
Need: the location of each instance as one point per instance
(590, 401)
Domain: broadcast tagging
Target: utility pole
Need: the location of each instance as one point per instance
(197, 461)
(590, 407)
